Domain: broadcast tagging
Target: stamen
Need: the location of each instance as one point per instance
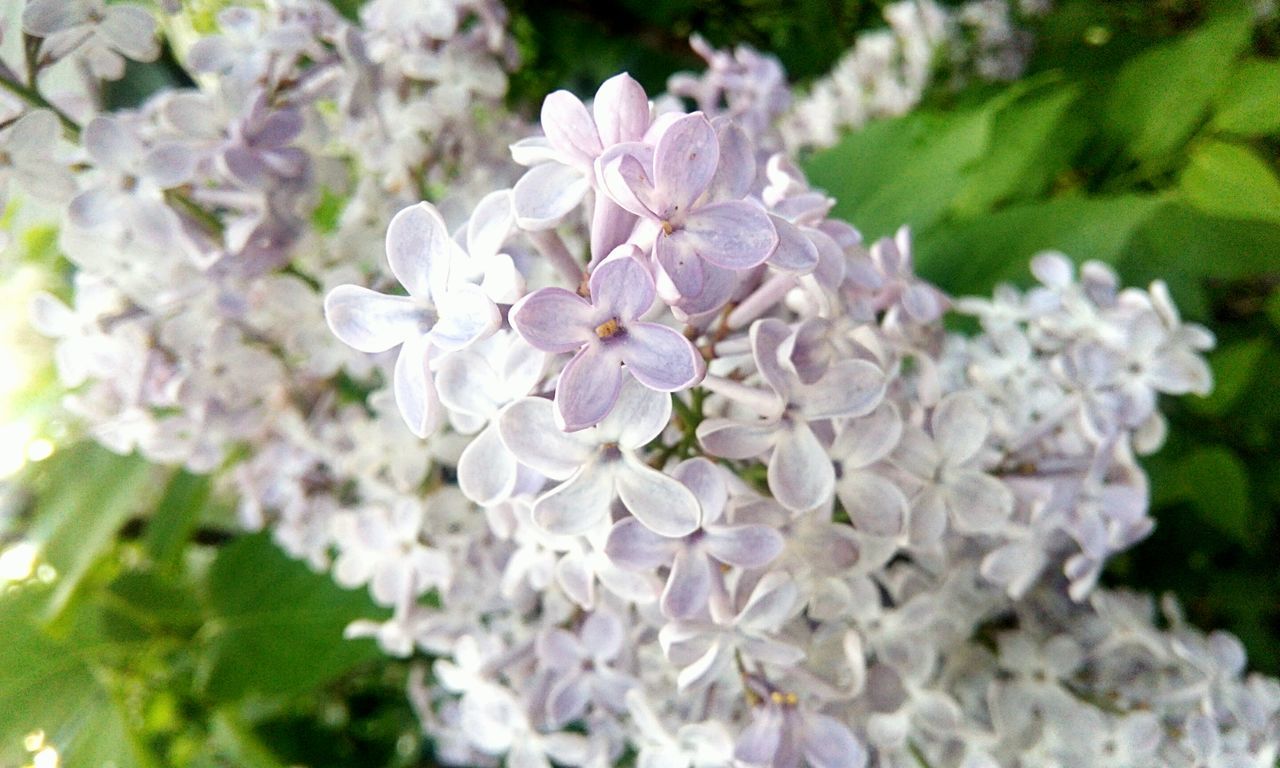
(667, 228)
(608, 329)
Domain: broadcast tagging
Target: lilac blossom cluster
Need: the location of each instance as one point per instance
(647, 454)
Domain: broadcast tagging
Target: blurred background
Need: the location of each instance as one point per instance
(1145, 133)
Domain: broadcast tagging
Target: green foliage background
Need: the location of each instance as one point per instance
(1145, 135)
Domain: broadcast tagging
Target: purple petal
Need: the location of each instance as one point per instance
(369, 321)
(759, 741)
(169, 165)
(663, 505)
(546, 193)
(661, 357)
(736, 440)
(770, 603)
(624, 175)
(874, 504)
(603, 635)
(554, 320)
(795, 252)
(487, 470)
(800, 474)
(621, 110)
(849, 388)
(827, 743)
(621, 287)
(978, 503)
(278, 129)
(43, 18)
(570, 129)
(734, 235)
(111, 145)
(528, 428)
(680, 261)
(707, 482)
(746, 546)
(588, 388)
(578, 504)
(414, 390)
(611, 225)
(688, 585)
(466, 316)
(870, 438)
(130, 30)
(633, 546)
(684, 162)
(568, 700)
(92, 208)
(767, 338)
(420, 250)
(959, 427)
(737, 168)
(639, 415)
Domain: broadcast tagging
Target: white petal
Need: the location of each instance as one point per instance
(414, 390)
(547, 193)
(487, 470)
(372, 322)
(657, 500)
(874, 504)
(528, 428)
(578, 504)
(736, 440)
(800, 474)
(639, 415)
(959, 427)
(770, 604)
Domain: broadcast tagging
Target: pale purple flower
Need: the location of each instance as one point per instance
(947, 467)
(27, 158)
(695, 559)
(608, 339)
(440, 312)
(801, 475)
(102, 34)
(875, 504)
(582, 668)
(600, 464)
(784, 734)
(697, 241)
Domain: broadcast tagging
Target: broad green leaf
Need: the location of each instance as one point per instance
(86, 494)
(1030, 144)
(969, 257)
(1187, 248)
(1214, 480)
(48, 685)
(903, 171)
(277, 626)
(1249, 103)
(175, 517)
(1161, 96)
(1230, 180)
(1234, 367)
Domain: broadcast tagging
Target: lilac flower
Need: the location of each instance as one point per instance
(801, 475)
(608, 338)
(600, 465)
(697, 241)
(582, 668)
(784, 734)
(695, 559)
(440, 312)
(947, 469)
(27, 158)
(102, 34)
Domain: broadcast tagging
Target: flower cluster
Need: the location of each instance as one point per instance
(646, 452)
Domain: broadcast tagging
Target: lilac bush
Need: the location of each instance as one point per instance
(649, 455)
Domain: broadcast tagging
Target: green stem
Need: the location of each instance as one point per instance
(33, 97)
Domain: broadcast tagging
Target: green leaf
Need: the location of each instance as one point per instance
(1230, 180)
(175, 518)
(1234, 367)
(86, 494)
(903, 171)
(969, 257)
(1249, 103)
(1030, 145)
(48, 685)
(1214, 480)
(277, 626)
(1161, 96)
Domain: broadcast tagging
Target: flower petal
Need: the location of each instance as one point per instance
(554, 320)
(633, 546)
(570, 129)
(736, 440)
(848, 388)
(746, 546)
(621, 110)
(661, 357)
(657, 500)
(959, 427)
(545, 194)
(621, 287)
(684, 162)
(369, 321)
(588, 388)
(734, 235)
(679, 260)
(770, 604)
(466, 316)
(578, 504)
(874, 504)
(414, 390)
(978, 503)
(688, 585)
(639, 416)
(528, 428)
(420, 250)
(800, 474)
(487, 469)
(827, 743)
(490, 223)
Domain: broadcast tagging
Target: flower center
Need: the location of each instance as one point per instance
(785, 699)
(667, 228)
(609, 328)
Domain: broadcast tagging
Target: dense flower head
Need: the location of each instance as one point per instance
(642, 447)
